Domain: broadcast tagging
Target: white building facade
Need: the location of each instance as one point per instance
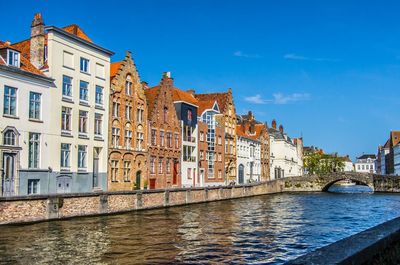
(25, 125)
(396, 156)
(248, 159)
(77, 111)
(286, 160)
(365, 164)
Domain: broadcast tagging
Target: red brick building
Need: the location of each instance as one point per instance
(164, 141)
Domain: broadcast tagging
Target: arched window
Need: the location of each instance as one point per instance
(10, 138)
(128, 85)
(165, 114)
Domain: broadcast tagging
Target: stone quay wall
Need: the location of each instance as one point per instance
(26, 209)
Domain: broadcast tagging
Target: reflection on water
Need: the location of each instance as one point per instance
(267, 229)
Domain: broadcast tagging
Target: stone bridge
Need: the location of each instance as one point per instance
(324, 181)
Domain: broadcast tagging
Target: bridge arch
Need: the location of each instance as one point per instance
(357, 181)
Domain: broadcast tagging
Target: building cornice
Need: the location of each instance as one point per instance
(16, 70)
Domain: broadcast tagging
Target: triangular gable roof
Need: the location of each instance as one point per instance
(221, 98)
(180, 95)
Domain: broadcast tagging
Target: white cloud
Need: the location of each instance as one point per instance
(278, 98)
(246, 55)
(293, 56)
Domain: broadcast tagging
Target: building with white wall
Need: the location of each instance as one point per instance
(365, 164)
(26, 127)
(396, 156)
(78, 109)
(248, 156)
(286, 154)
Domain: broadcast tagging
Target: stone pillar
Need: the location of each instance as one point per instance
(166, 198)
(188, 196)
(53, 205)
(139, 202)
(103, 203)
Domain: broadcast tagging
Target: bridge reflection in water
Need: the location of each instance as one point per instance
(264, 229)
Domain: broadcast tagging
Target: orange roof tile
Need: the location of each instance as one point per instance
(204, 105)
(114, 67)
(221, 98)
(395, 137)
(77, 31)
(180, 95)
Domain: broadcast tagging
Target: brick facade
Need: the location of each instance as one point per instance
(127, 164)
(164, 141)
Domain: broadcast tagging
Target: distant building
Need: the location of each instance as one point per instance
(366, 163)
(383, 152)
(285, 157)
(396, 157)
(385, 163)
(348, 164)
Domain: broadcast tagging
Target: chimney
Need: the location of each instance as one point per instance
(191, 91)
(37, 41)
(281, 128)
(274, 124)
(167, 74)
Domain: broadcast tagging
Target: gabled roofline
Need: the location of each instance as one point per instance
(76, 38)
(182, 101)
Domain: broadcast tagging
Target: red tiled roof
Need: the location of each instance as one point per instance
(395, 137)
(180, 95)
(114, 67)
(221, 98)
(25, 64)
(204, 105)
(77, 31)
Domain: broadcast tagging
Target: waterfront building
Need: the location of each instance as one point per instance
(164, 136)
(348, 164)
(286, 160)
(211, 144)
(365, 163)
(228, 119)
(186, 110)
(382, 157)
(252, 134)
(396, 158)
(25, 124)
(77, 160)
(127, 123)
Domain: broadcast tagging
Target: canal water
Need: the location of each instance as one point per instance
(269, 229)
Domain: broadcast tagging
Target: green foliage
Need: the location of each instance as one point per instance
(318, 163)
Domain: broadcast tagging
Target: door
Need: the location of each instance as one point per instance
(138, 180)
(152, 184)
(64, 184)
(241, 174)
(175, 173)
(9, 174)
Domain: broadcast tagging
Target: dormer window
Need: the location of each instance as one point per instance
(13, 58)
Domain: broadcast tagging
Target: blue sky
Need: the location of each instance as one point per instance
(327, 70)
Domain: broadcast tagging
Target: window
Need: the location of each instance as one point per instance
(160, 165)
(359, 167)
(98, 124)
(83, 90)
(13, 58)
(128, 139)
(176, 140)
(128, 110)
(115, 137)
(100, 72)
(201, 155)
(201, 136)
(169, 140)
(139, 115)
(9, 138)
(83, 116)
(115, 109)
(168, 166)
(10, 101)
(189, 173)
(33, 186)
(34, 105)
(67, 86)
(219, 140)
(161, 138)
(165, 114)
(84, 66)
(99, 95)
(34, 146)
(65, 155)
(127, 171)
(114, 170)
(139, 140)
(152, 165)
(82, 157)
(153, 136)
(219, 174)
(189, 115)
(219, 157)
(128, 86)
(66, 119)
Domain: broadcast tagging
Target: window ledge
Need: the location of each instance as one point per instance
(35, 120)
(99, 138)
(65, 170)
(82, 171)
(83, 136)
(99, 107)
(86, 73)
(67, 99)
(68, 67)
(11, 116)
(114, 181)
(66, 134)
(127, 181)
(84, 103)
(101, 78)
